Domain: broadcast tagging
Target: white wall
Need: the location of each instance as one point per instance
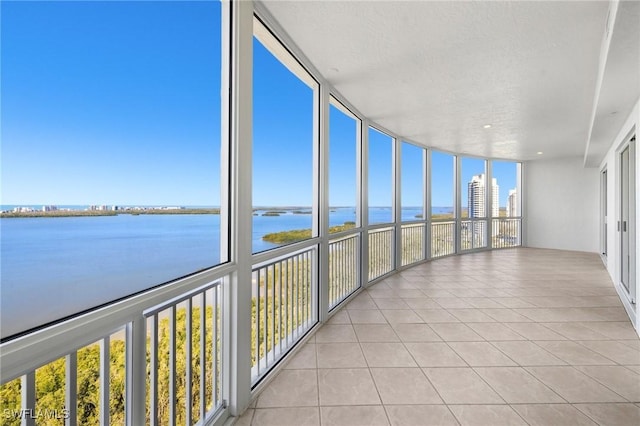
(561, 202)
(613, 240)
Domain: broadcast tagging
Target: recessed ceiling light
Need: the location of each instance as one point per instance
(539, 152)
(487, 126)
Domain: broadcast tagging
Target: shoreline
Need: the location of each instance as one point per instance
(90, 213)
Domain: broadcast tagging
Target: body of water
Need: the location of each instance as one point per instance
(51, 267)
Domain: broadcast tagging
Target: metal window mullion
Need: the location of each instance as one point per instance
(256, 321)
(273, 311)
(457, 179)
(71, 389)
(215, 347)
(28, 400)
(283, 268)
(153, 371)
(105, 380)
(136, 372)
(427, 203)
(265, 332)
(203, 356)
(396, 170)
(188, 348)
(286, 302)
(364, 201)
(172, 365)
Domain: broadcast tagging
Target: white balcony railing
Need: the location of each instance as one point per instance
(506, 232)
(413, 239)
(473, 234)
(443, 236)
(154, 358)
(381, 249)
(283, 309)
(344, 277)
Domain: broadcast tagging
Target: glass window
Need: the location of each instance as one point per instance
(344, 139)
(442, 178)
(380, 177)
(283, 145)
(412, 182)
(474, 187)
(111, 168)
(505, 174)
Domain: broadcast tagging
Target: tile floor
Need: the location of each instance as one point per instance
(510, 337)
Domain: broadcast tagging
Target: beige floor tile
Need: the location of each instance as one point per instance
(635, 368)
(398, 316)
(387, 355)
(481, 354)
(506, 315)
(574, 353)
(527, 353)
(573, 385)
(619, 379)
(618, 330)
(434, 354)
(378, 292)
(406, 293)
(404, 386)
(494, 331)
(340, 317)
(452, 302)
(574, 331)
(534, 331)
(245, 419)
(305, 358)
(368, 415)
(633, 344)
(455, 332)
(612, 414)
(391, 303)
(286, 417)
(517, 386)
(353, 386)
(482, 415)
(470, 315)
(432, 316)
(426, 415)
(462, 386)
(436, 292)
(552, 414)
(615, 351)
(340, 355)
(512, 302)
(422, 303)
(375, 333)
(336, 334)
(482, 302)
(416, 333)
(367, 316)
(362, 301)
(278, 393)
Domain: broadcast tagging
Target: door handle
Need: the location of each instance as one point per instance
(618, 226)
(624, 226)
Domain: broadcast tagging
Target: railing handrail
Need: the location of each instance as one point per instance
(179, 299)
(264, 257)
(343, 238)
(33, 350)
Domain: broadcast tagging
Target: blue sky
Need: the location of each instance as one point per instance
(93, 115)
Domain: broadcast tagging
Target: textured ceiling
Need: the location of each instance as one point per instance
(437, 72)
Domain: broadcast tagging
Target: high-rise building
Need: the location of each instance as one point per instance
(512, 203)
(477, 197)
